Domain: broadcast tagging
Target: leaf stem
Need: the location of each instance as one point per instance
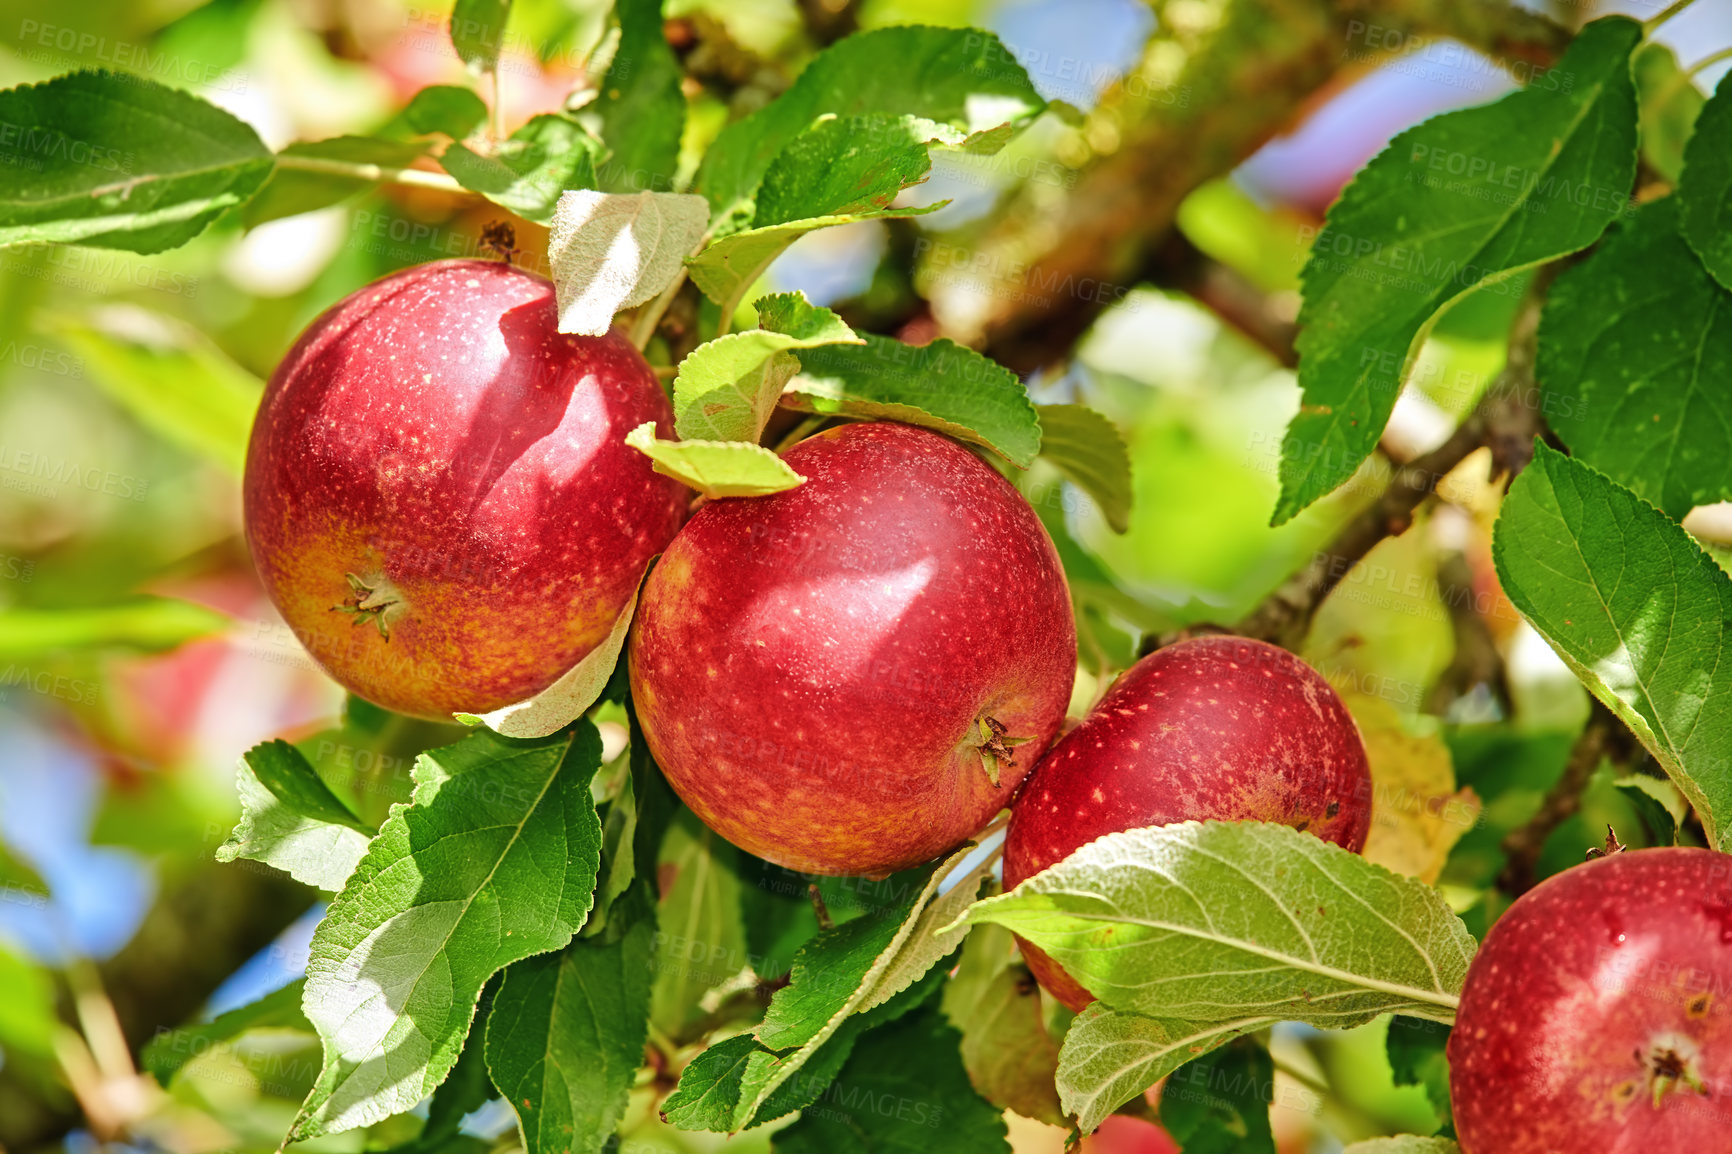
(643, 326)
(799, 433)
(1664, 15)
(415, 177)
(1708, 61)
(496, 121)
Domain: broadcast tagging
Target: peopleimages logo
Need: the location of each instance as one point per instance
(38, 473)
(39, 39)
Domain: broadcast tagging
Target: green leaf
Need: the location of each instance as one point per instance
(993, 1000)
(1669, 102)
(1225, 920)
(291, 820)
(1636, 609)
(566, 1037)
(842, 170)
(1111, 1056)
(844, 980)
(700, 942)
(478, 31)
(943, 386)
(715, 1087)
(170, 376)
(715, 468)
(727, 389)
(618, 851)
(641, 107)
(1635, 353)
(28, 1021)
(1705, 187)
(903, 1090)
(292, 190)
(611, 251)
(1404, 1144)
(727, 268)
(1657, 803)
(121, 162)
(571, 695)
(148, 624)
(964, 82)
(1219, 1103)
(494, 860)
(449, 108)
(1465, 199)
(280, 1009)
(466, 1090)
(1090, 451)
(1417, 1058)
(843, 166)
(549, 155)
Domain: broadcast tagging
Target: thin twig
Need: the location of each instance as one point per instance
(1707, 61)
(1502, 421)
(1664, 15)
(496, 122)
(416, 177)
(1477, 660)
(1523, 846)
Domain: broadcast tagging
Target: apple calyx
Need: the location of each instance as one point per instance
(500, 239)
(995, 745)
(1671, 1063)
(372, 599)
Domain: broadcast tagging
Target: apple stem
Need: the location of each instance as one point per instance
(825, 921)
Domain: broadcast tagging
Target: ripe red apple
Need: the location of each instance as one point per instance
(852, 676)
(1597, 1014)
(1216, 727)
(439, 498)
(1120, 1134)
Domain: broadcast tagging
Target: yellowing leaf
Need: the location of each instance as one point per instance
(1417, 814)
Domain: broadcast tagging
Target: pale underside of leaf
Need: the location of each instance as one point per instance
(570, 697)
(716, 468)
(1221, 921)
(1109, 1057)
(612, 250)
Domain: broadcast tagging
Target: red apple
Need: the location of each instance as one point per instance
(439, 498)
(1216, 727)
(1597, 1014)
(1120, 1134)
(852, 676)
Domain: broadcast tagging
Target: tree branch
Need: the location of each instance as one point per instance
(1203, 100)
(1503, 420)
(1599, 737)
(202, 927)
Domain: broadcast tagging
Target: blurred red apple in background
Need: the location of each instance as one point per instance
(1215, 727)
(439, 499)
(852, 676)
